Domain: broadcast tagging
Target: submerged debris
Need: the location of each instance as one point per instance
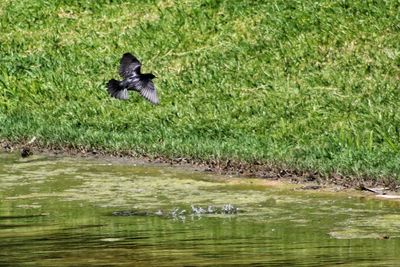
(377, 191)
(226, 209)
(229, 209)
(181, 213)
(132, 213)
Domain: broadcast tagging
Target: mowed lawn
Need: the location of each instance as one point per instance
(311, 85)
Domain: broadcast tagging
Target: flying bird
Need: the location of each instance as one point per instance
(133, 79)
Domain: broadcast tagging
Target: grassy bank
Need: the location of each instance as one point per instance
(304, 84)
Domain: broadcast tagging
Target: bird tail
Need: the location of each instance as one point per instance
(116, 90)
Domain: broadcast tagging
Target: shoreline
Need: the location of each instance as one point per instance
(307, 180)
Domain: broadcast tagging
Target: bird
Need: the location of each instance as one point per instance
(133, 79)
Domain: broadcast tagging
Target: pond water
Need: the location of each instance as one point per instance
(73, 212)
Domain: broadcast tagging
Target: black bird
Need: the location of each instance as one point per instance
(133, 79)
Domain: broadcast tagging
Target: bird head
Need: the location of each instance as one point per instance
(148, 76)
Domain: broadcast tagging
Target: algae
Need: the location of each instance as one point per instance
(57, 211)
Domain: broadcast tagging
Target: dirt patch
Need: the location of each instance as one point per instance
(307, 180)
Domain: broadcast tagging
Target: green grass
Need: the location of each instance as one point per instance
(312, 85)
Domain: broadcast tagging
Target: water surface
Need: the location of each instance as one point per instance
(59, 212)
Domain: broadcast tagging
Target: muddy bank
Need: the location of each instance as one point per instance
(306, 179)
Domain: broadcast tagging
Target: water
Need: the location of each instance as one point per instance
(58, 212)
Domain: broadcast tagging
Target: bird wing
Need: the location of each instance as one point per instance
(115, 90)
(129, 65)
(148, 91)
(123, 94)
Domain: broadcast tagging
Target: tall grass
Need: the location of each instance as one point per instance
(304, 84)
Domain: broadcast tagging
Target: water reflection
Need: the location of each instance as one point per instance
(59, 212)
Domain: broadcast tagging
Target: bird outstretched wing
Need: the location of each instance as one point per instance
(123, 94)
(115, 90)
(129, 66)
(148, 91)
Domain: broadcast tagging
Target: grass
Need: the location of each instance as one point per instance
(311, 85)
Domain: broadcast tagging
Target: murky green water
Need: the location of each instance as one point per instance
(58, 212)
